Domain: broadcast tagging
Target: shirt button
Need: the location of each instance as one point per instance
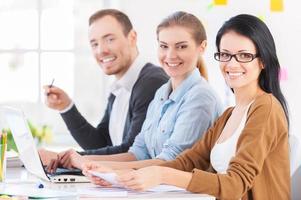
(163, 131)
(161, 99)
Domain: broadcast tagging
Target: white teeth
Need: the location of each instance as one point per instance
(173, 65)
(235, 74)
(105, 60)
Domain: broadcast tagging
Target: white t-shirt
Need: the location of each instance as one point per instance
(222, 153)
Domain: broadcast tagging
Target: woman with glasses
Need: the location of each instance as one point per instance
(245, 154)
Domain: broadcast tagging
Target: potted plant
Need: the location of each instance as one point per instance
(40, 134)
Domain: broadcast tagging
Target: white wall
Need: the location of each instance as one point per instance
(91, 85)
(285, 27)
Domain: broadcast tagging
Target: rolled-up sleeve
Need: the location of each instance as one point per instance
(195, 116)
(139, 148)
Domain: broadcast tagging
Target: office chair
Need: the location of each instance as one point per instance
(295, 161)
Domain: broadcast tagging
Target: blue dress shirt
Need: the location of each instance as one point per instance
(176, 119)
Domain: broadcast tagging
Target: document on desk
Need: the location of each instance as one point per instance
(102, 192)
(165, 188)
(97, 191)
(32, 192)
(111, 178)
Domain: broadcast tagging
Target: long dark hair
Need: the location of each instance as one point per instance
(257, 31)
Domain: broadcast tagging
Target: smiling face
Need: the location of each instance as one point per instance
(239, 75)
(178, 52)
(113, 51)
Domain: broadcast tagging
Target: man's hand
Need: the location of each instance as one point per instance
(46, 156)
(56, 98)
(67, 159)
(71, 159)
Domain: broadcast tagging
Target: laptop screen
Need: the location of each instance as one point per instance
(28, 152)
(24, 141)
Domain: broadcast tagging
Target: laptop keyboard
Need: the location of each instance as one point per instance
(64, 171)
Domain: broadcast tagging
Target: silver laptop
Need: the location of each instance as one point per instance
(28, 153)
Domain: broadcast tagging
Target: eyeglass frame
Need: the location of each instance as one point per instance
(235, 56)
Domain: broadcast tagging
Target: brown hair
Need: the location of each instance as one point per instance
(122, 18)
(197, 29)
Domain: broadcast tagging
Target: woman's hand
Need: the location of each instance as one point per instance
(97, 167)
(141, 179)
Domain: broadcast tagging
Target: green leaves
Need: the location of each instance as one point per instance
(40, 133)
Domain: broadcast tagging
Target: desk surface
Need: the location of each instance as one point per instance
(19, 176)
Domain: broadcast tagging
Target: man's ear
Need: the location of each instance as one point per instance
(132, 36)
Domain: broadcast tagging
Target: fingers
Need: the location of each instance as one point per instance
(71, 159)
(46, 156)
(133, 184)
(65, 160)
(53, 165)
(52, 90)
(52, 95)
(125, 177)
(98, 167)
(86, 168)
(132, 180)
(56, 98)
(96, 180)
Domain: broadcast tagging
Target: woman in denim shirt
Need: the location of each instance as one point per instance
(182, 109)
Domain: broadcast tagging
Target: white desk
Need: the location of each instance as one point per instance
(21, 176)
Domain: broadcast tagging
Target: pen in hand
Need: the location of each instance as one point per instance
(50, 86)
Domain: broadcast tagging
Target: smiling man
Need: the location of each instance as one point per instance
(113, 42)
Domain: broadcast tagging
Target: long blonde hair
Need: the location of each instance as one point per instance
(197, 29)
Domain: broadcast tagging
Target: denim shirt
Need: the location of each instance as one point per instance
(176, 119)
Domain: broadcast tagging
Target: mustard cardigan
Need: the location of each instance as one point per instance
(259, 170)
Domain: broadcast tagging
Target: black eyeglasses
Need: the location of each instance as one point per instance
(239, 57)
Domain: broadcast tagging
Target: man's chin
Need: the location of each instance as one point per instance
(110, 71)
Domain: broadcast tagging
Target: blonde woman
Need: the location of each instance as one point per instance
(182, 109)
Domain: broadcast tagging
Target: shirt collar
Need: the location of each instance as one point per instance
(176, 95)
(128, 80)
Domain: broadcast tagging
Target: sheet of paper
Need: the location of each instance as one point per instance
(102, 192)
(165, 188)
(13, 159)
(32, 192)
(109, 177)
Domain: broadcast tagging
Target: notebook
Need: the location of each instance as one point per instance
(28, 152)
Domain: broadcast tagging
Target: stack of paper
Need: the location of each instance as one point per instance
(13, 159)
(101, 192)
(32, 192)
